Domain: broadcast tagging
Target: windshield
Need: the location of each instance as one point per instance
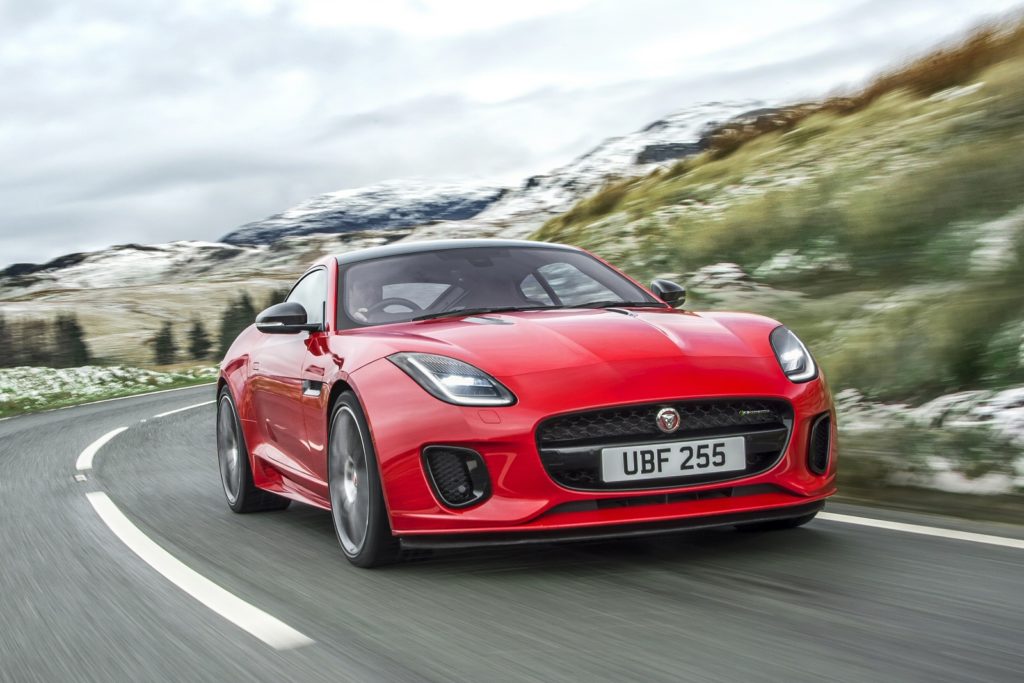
(466, 280)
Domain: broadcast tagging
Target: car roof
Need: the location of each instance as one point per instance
(402, 248)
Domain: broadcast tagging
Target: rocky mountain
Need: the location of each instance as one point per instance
(385, 206)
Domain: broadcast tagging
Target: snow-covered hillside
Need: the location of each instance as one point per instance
(660, 143)
(467, 209)
(388, 205)
(133, 265)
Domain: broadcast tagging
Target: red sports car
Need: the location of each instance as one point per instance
(475, 392)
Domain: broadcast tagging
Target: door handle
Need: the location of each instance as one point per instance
(312, 387)
(255, 365)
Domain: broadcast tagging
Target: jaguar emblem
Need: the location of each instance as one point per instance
(667, 420)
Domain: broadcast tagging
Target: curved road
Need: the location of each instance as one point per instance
(831, 601)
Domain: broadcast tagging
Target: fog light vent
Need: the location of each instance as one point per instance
(818, 445)
(458, 475)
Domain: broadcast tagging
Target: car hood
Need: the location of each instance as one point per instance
(527, 342)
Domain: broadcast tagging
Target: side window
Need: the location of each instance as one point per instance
(532, 290)
(311, 292)
(573, 286)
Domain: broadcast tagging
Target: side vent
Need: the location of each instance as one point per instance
(458, 475)
(819, 444)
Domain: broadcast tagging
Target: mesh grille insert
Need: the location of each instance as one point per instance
(458, 475)
(639, 421)
(818, 445)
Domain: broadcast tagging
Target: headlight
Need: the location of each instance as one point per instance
(452, 380)
(793, 356)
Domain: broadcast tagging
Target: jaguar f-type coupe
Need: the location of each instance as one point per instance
(489, 392)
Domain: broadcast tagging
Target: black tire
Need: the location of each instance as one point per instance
(777, 524)
(233, 462)
(357, 499)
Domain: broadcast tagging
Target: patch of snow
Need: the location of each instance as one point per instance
(855, 413)
(793, 261)
(951, 481)
(384, 206)
(955, 92)
(27, 388)
(996, 246)
(721, 276)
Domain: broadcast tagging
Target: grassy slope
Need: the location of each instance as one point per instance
(22, 391)
(877, 210)
(884, 206)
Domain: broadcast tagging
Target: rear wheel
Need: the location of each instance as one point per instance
(357, 499)
(233, 460)
(777, 524)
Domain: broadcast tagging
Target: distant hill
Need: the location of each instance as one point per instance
(386, 206)
(124, 293)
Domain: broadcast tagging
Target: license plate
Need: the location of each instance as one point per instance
(673, 459)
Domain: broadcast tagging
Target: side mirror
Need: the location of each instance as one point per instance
(670, 292)
(289, 317)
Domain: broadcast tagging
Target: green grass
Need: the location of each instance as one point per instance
(64, 400)
(901, 190)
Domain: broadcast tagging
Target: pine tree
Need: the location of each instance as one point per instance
(33, 343)
(70, 349)
(274, 297)
(164, 348)
(198, 341)
(7, 350)
(239, 314)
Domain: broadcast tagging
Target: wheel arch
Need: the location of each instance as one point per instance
(340, 386)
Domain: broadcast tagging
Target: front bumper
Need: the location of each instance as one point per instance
(526, 501)
(604, 532)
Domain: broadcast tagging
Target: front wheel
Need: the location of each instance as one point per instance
(357, 499)
(233, 461)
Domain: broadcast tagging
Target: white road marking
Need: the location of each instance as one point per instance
(125, 398)
(81, 477)
(181, 410)
(108, 400)
(84, 461)
(267, 628)
(924, 530)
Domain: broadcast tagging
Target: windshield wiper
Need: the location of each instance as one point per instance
(509, 309)
(619, 304)
(481, 311)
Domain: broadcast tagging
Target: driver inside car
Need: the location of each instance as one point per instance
(362, 296)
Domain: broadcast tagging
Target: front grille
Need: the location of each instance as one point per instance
(638, 421)
(818, 445)
(458, 475)
(570, 445)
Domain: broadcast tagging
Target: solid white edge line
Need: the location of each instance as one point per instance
(924, 530)
(122, 398)
(253, 620)
(181, 410)
(84, 461)
(108, 400)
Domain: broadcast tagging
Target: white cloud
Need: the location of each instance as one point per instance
(152, 120)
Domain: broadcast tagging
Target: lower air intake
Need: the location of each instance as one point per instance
(819, 445)
(458, 475)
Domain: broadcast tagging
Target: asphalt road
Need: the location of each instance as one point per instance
(830, 601)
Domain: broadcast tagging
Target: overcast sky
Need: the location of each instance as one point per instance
(150, 121)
